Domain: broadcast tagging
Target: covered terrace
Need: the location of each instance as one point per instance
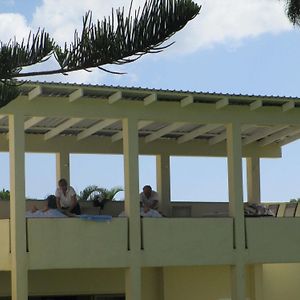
(66, 118)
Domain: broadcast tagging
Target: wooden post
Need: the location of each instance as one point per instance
(253, 179)
(132, 207)
(19, 268)
(236, 208)
(163, 181)
(63, 166)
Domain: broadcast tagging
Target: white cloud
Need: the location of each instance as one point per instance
(231, 21)
(228, 22)
(220, 21)
(13, 26)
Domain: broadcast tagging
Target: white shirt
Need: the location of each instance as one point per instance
(149, 201)
(151, 213)
(65, 200)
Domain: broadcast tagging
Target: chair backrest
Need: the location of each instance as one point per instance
(290, 209)
(274, 208)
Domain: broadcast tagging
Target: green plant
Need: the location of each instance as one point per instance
(99, 196)
(5, 195)
(295, 200)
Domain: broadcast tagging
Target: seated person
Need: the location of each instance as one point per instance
(66, 198)
(50, 211)
(145, 211)
(149, 197)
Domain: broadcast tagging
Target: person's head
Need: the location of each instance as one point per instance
(63, 184)
(51, 202)
(147, 190)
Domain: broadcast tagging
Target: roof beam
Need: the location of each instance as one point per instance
(60, 128)
(32, 121)
(118, 136)
(288, 106)
(262, 133)
(98, 126)
(34, 93)
(115, 97)
(256, 105)
(222, 103)
(2, 117)
(165, 130)
(187, 101)
(199, 131)
(278, 135)
(76, 95)
(222, 136)
(150, 99)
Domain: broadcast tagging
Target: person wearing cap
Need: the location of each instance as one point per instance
(66, 198)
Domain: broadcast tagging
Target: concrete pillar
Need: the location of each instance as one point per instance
(236, 208)
(19, 267)
(63, 166)
(253, 190)
(132, 208)
(253, 179)
(163, 182)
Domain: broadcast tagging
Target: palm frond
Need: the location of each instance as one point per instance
(293, 11)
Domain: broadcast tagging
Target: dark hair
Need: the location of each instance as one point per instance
(62, 181)
(147, 187)
(51, 201)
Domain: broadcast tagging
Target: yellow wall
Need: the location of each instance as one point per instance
(281, 281)
(197, 283)
(86, 281)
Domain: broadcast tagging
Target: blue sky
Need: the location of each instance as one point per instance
(233, 46)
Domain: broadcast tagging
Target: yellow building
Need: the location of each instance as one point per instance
(186, 255)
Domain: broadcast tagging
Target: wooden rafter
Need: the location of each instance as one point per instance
(163, 131)
(118, 136)
(62, 127)
(32, 121)
(93, 129)
(199, 131)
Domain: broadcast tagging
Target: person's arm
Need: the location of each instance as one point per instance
(58, 202)
(154, 204)
(73, 203)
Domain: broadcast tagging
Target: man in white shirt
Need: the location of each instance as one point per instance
(149, 197)
(66, 198)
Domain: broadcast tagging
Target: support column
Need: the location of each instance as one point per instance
(132, 207)
(19, 268)
(253, 179)
(236, 208)
(63, 166)
(163, 181)
(253, 190)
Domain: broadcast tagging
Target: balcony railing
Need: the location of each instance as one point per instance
(184, 241)
(74, 243)
(273, 239)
